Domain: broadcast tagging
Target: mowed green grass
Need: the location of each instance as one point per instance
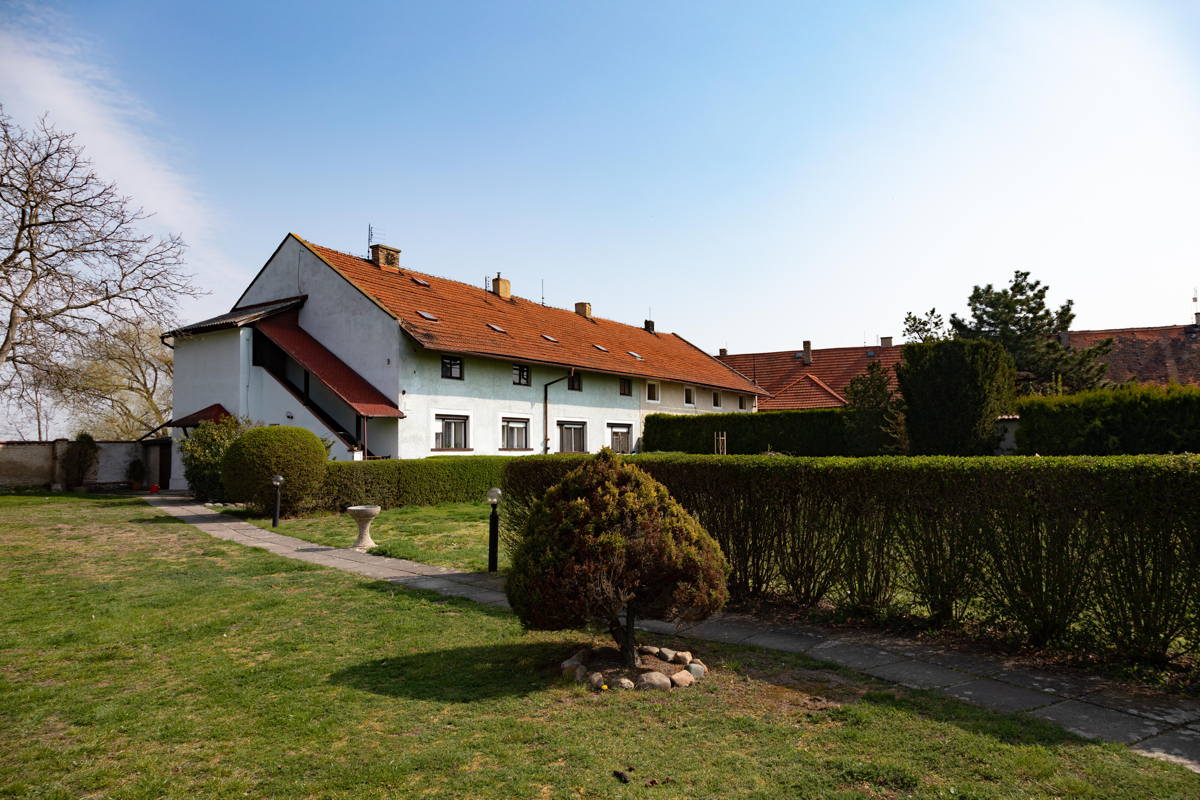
(140, 658)
(449, 535)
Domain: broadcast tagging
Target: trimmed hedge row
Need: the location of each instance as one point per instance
(817, 432)
(1106, 548)
(410, 482)
(1138, 418)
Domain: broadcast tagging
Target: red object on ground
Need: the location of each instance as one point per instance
(154, 488)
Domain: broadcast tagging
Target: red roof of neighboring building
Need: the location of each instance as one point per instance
(1147, 355)
(284, 330)
(795, 384)
(463, 316)
(214, 413)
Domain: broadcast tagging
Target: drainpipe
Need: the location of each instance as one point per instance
(546, 411)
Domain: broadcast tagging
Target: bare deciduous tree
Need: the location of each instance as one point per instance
(74, 265)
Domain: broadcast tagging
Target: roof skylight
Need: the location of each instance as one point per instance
(600, 347)
(496, 328)
(418, 281)
(635, 355)
(428, 316)
(549, 338)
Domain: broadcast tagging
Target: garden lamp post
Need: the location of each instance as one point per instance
(493, 497)
(277, 482)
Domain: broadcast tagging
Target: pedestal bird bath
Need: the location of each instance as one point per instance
(363, 515)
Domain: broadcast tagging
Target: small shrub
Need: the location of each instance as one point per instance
(135, 471)
(391, 483)
(608, 544)
(259, 453)
(80, 458)
(203, 452)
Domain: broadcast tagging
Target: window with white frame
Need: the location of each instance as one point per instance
(620, 437)
(572, 437)
(514, 434)
(689, 396)
(651, 392)
(450, 433)
(716, 399)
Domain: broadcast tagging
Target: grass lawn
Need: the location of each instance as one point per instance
(140, 658)
(449, 535)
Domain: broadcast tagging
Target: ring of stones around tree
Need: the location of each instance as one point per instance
(601, 669)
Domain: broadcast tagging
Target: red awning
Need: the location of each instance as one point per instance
(284, 330)
(212, 413)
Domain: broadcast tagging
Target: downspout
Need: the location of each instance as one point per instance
(546, 410)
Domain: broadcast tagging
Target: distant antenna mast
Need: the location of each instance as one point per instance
(370, 235)
(543, 291)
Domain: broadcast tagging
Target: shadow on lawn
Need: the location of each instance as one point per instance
(461, 674)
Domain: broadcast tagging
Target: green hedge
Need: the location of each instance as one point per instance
(1130, 419)
(410, 482)
(1101, 550)
(817, 432)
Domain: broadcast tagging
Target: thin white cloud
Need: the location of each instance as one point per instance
(47, 68)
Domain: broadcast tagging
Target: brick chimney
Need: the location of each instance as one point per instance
(502, 288)
(885, 341)
(807, 352)
(724, 352)
(649, 325)
(584, 310)
(385, 257)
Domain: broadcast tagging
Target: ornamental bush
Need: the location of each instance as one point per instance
(391, 483)
(81, 456)
(606, 545)
(203, 452)
(260, 453)
(815, 432)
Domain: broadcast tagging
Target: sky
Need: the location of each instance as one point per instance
(749, 175)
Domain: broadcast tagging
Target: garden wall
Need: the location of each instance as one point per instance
(40, 463)
(1104, 552)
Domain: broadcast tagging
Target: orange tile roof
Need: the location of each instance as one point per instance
(284, 330)
(1147, 355)
(463, 313)
(794, 384)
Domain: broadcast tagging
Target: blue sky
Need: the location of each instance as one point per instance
(751, 174)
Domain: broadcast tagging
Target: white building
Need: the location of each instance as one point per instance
(391, 363)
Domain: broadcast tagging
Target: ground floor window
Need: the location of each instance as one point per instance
(514, 434)
(621, 438)
(572, 437)
(451, 433)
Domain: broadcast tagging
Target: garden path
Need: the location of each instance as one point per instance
(1152, 723)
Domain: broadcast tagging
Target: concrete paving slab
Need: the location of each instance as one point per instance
(427, 582)
(918, 675)
(657, 626)
(787, 642)
(1000, 696)
(721, 631)
(1061, 684)
(1096, 722)
(855, 656)
(1164, 708)
(1181, 746)
(963, 662)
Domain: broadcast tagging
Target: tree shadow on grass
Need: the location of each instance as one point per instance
(461, 674)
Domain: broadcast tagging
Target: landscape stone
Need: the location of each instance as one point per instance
(581, 674)
(647, 650)
(596, 680)
(682, 657)
(696, 669)
(666, 654)
(683, 678)
(569, 666)
(624, 683)
(582, 655)
(653, 680)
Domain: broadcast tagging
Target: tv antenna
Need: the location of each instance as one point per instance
(543, 291)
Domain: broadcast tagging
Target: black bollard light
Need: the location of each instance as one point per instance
(493, 497)
(277, 482)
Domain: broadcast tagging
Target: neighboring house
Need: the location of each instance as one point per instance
(387, 362)
(808, 378)
(1148, 355)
